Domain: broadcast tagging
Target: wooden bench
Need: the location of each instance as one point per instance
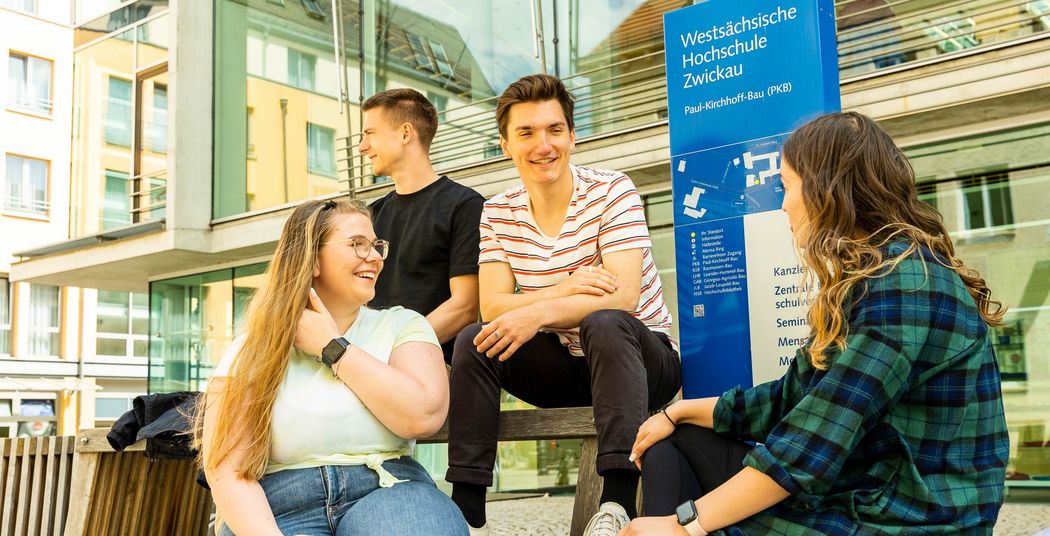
(34, 485)
(126, 493)
(565, 423)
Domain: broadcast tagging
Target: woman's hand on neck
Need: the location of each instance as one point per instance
(318, 324)
(342, 312)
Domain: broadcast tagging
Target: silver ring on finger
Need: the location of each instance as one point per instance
(496, 333)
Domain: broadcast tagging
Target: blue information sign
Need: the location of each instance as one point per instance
(740, 77)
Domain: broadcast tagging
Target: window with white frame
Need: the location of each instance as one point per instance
(25, 185)
(122, 324)
(5, 316)
(301, 69)
(986, 200)
(109, 408)
(42, 326)
(29, 83)
(28, 415)
(320, 145)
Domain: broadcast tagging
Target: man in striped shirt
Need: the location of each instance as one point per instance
(589, 325)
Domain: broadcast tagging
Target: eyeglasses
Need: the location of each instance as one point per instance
(363, 247)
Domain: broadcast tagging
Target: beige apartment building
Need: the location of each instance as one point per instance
(70, 357)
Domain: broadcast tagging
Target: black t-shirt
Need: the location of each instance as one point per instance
(433, 236)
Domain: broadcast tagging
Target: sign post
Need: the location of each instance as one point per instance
(740, 77)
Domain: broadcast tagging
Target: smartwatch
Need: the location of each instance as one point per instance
(334, 351)
(689, 519)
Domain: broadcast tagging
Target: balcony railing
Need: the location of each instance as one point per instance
(29, 103)
(149, 200)
(31, 206)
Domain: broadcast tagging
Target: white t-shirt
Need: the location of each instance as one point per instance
(317, 420)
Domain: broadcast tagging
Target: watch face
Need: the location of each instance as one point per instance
(333, 352)
(686, 513)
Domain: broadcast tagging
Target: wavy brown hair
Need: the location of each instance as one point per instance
(859, 192)
(244, 411)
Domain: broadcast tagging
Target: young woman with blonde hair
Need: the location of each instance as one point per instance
(890, 418)
(308, 421)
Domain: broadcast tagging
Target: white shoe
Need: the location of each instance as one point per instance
(610, 519)
(483, 531)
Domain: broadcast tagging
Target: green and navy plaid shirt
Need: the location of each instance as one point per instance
(904, 433)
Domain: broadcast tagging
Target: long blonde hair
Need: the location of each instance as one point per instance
(243, 414)
(859, 192)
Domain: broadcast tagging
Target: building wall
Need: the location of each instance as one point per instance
(30, 381)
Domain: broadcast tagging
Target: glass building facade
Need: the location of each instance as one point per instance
(992, 191)
(290, 76)
(120, 124)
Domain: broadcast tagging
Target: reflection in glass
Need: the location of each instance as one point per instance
(149, 185)
(280, 67)
(102, 134)
(113, 21)
(193, 321)
(991, 192)
(119, 167)
(877, 34)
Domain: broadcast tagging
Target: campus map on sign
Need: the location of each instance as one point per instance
(741, 77)
(733, 180)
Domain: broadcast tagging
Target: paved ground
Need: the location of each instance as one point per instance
(550, 516)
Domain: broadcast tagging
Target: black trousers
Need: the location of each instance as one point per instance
(627, 371)
(687, 465)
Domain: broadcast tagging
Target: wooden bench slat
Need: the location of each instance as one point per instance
(4, 461)
(47, 515)
(65, 462)
(22, 509)
(10, 486)
(514, 425)
(35, 493)
(530, 424)
(84, 473)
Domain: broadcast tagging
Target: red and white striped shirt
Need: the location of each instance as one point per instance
(604, 215)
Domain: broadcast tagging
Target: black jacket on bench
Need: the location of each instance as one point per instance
(163, 420)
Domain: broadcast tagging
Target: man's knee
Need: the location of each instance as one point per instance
(465, 347)
(603, 319)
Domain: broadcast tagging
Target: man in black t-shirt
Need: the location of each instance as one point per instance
(430, 221)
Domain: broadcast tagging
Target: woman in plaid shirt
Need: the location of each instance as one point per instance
(890, 418)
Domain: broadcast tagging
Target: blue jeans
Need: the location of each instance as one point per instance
(346, 500)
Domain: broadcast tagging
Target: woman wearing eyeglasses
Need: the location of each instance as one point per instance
(309, 419)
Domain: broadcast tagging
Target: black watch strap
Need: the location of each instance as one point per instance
(334, 351)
